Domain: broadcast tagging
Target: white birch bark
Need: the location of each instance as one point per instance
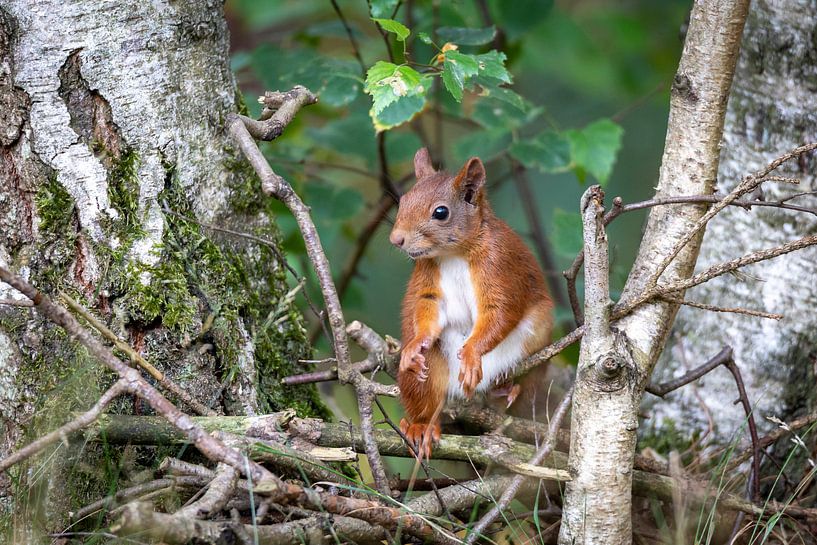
(610, 381)
(772, 109)
(80, 83)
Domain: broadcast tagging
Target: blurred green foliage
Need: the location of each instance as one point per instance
(571, 93)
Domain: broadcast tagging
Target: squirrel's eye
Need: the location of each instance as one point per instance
(440, 213)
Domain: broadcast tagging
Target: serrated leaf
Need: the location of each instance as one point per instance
(380, 71)
(395, 27)
(387, 82)
(398, 112)
(594, 149)
(424, 37)
(505, 95)
(467, 36)
(548, 151)
(457, 68)
(492, 65)
(382, 8)
(467, 63)
(567, 232)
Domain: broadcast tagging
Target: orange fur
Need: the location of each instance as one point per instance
(507, 282)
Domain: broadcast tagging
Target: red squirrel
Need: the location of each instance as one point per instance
(476, 304)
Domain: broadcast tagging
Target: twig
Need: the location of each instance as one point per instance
(713, 308)
(513, 488)
(120, 387)
(750, 417)
(135, 357)
(311, 378)
(351, 35)
(726, 358)
(712, 199)
(384, 34)
(383, 207)
(386, 183)
(769, 439)
(241, 129)
(718, 359)
(139, 490)
(218, 493)
(745, 186)
(139, 519)
(136, 384)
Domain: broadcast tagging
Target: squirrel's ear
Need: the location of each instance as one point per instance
(470, 180)
(422, 164)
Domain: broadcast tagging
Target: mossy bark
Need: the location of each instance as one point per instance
(112, 150)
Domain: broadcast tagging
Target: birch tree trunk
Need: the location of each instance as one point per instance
(111, 131)
(615, 365)
(771, 110)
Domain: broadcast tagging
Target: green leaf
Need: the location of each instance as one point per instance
(567, 232)
(467, 36)
(425, 38)
(398, 112)
(382, 8)
(492, 113)
(594, 149)
(398, 92)
(548, 151)
(395, 27)
(505, 95)
(387, 82)
(457, 68)
(492, 65)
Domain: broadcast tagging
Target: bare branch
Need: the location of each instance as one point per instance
(218, 493)
(713, 308)
(748, 184)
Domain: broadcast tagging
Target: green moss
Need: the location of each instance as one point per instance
(123, 194)
(55, 207)
(244, 287)
(241, 103)
(58, 228)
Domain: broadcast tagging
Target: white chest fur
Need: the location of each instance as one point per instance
(458, 312)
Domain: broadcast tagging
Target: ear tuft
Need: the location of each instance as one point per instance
(422, 164)
(470, 180)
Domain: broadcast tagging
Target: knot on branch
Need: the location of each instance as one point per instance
(683, 87)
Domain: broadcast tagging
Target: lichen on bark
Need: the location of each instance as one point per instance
(119, 139)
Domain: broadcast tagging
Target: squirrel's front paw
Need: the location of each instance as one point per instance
(470, 370)
(421, 435)
(413, 360)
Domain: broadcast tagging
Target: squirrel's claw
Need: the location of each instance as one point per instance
(470, 371)
(421, 435)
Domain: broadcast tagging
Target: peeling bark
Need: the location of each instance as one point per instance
(111, 114)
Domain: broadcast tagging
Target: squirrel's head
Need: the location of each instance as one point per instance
(442, 213)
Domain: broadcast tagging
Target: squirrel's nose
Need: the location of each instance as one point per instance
(397, 238)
